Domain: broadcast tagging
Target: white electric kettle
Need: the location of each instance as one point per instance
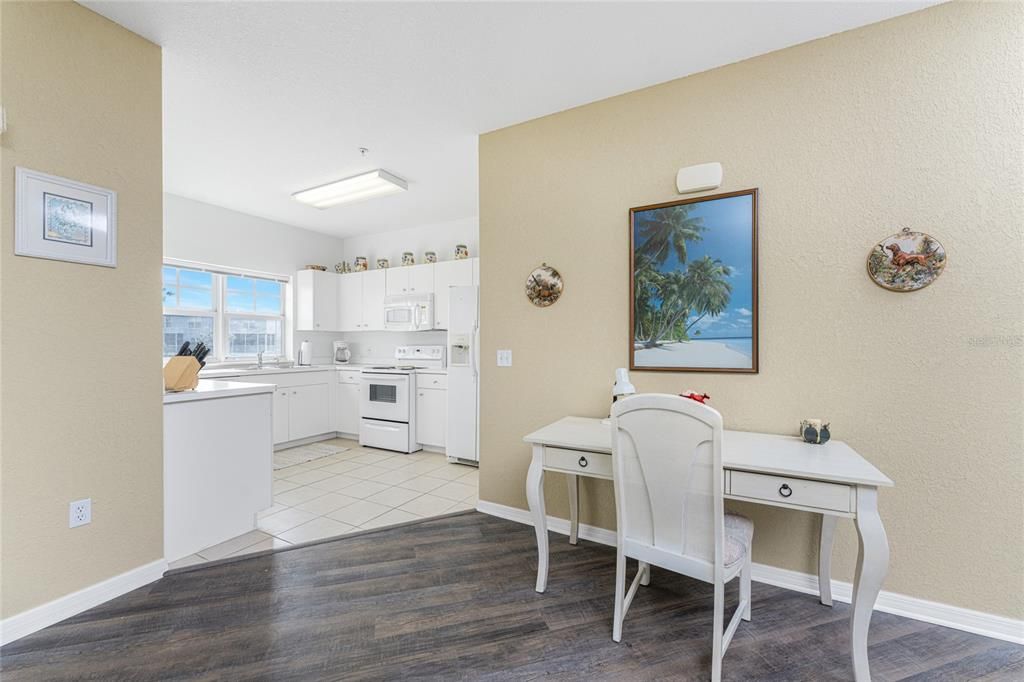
(341, 353)
(305, 353)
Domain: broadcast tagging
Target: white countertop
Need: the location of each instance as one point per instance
(245, 371)
(228, 372)
(209, 389)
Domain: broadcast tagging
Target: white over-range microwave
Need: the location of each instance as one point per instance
(409, 313)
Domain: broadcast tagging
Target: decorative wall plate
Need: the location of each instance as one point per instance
(543, 286)
(906, 261)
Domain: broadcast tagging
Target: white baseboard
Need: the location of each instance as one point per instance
(35, 619)
(986, 624)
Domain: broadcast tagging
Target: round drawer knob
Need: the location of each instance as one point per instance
(785, 490)
(583, 462)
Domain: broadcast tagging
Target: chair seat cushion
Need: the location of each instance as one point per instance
(739, 534)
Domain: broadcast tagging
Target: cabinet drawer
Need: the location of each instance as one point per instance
(591, 463)
(791, 491)
(348, 376)
(432, 381)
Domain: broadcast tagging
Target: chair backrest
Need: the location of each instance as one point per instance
(667, 461)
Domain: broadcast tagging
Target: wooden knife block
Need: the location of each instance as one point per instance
(181, 373)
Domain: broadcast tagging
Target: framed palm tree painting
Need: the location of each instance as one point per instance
(693, 284)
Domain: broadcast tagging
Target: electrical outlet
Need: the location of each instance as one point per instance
(80, 513)
(504, 358)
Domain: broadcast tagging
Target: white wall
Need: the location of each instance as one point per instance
(438, 237)
(206, 233)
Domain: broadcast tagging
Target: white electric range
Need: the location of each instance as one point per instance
(387, 403)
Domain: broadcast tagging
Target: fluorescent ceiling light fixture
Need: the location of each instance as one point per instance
(376, 183)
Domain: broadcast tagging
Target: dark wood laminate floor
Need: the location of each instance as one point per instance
(453, 598)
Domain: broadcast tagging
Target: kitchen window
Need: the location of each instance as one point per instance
(235, 313)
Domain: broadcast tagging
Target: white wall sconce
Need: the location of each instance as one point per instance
(699, 178)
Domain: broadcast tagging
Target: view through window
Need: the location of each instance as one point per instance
(236, 316)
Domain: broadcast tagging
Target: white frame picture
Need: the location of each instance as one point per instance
(62, 219)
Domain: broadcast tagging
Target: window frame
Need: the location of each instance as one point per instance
(220, 353)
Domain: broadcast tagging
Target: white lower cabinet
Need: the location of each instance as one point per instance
(431, 416)
(280, 416)
(309, 411)
(302, 403)
(345, 406)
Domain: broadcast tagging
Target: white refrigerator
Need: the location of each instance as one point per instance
(462, 438)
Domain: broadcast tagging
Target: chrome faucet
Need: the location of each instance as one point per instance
(259, 360)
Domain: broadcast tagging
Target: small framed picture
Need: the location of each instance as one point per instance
(62, 219)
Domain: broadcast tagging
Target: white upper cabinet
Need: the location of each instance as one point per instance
(373, 299)
(451, 273)
(316, 301)
(411, 279)
(361, 301)
(350, 302)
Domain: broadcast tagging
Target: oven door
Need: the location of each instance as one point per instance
(384, 396)
(401, 317)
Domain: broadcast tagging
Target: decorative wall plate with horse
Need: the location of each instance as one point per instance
(906, 261)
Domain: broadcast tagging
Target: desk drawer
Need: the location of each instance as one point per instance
(576, 461)
(791, 491)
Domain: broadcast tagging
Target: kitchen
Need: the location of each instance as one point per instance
(372, 374)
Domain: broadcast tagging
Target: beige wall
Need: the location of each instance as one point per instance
(915, 121)
(82, 414)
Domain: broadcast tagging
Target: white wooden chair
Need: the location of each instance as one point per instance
(667, 464)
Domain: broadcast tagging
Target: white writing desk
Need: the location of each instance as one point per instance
(781, 471)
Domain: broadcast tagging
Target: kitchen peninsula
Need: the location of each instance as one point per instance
(218, 449)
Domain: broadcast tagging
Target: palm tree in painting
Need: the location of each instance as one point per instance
(664, 231)
(665, 301)
(707, 281)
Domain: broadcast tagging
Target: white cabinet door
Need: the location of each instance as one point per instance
(449, 273)
(309, 411)
(280, 416)
(397, 281)
(350, 302)
(316, 301)
(431, 416)
(373, 299)
(346, 410)
(421, 278)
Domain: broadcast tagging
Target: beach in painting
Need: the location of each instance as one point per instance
(724, 353)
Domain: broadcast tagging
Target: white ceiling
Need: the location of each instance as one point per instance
(262, 99)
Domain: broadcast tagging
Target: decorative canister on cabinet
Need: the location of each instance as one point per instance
(383, 264)
(361, 264)
(408, 258)
(461, 252)
(430, 257)
(341, 268)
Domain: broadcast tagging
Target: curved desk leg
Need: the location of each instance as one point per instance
(872, 565)
(828, 531)
(574, 507)
(535, 498)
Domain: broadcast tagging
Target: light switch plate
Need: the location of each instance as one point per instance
(504, 358)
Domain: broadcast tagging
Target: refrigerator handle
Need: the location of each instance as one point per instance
(476, 352)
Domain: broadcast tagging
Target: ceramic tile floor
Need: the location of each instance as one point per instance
(357, 489)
